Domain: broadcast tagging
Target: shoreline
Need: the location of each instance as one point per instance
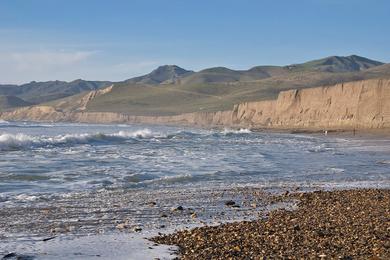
(343, 224)
(359, 105)
(114, 213)
(272, 209)
(347, 132)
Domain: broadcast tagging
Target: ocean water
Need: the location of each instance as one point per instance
(42, 159)
(74, 183)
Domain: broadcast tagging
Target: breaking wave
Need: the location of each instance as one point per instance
(227, 131)
(9, 142)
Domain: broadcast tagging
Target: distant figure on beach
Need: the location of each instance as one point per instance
(326, 132)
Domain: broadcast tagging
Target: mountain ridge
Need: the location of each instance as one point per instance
(164, 74)
(219, 85)
(39, 92)
(331, 64)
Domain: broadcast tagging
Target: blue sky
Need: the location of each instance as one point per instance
(118, 39)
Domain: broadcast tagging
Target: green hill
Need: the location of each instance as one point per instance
(38, 92)
(170, 89)
(338, 64)
(138, 99)
(7, 102)
(162, 75)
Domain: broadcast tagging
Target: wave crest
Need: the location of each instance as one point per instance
(227, 131)
(9, 142)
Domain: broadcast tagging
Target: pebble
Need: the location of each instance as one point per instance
(319, 227)
(137, 229)
(230, 203)
(179, 208)
(121, 226)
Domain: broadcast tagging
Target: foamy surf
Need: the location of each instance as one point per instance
(228, 131)
(22, 141)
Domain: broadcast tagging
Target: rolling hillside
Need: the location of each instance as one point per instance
(170, 90)
(39, 92)
(7, 102)
(223, 87)
(162, 75)
(174, 74)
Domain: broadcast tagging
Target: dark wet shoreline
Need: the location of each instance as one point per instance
(127, 212)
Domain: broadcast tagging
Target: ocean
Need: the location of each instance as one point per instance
(92, 177)
(41, 159)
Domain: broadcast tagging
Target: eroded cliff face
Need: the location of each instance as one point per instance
(361, 104)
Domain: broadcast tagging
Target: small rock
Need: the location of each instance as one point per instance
(230, 203)
(17, 256)
(10, 255)
(137, 229)
(57, 230)
(48, 238)
(121, 226)
(179, 208)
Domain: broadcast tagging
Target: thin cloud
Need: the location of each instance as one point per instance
(19, 67)
(42, 60)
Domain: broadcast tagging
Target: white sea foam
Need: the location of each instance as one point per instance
(25, 197)
(23, 141)
(239, 131)
(15, 141)
(144, 133)
(336, 170)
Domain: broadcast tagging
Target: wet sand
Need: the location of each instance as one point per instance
(349, 224)
(105, 224)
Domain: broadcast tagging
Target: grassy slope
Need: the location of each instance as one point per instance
(8, 102)
(171, 99)
(208, 90)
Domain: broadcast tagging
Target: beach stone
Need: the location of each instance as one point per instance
(121, 226)
(9, 256)
(58, 230)
(320, 226)
(230, 203)
(17, 257)
(179, 208)
(137, 229)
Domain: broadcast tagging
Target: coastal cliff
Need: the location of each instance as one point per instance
(361, 105)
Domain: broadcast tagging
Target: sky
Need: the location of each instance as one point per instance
(118, 39)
